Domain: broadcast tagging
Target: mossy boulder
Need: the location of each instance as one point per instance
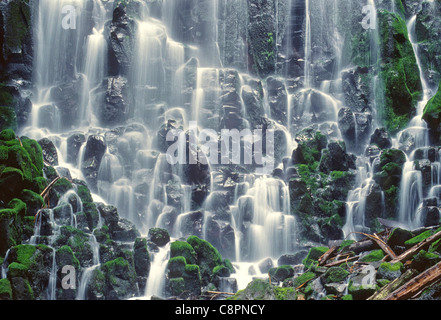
(5, 289)
(373, 256)
(29, 268)
(8, 119)
(389, 271)
(11, 225)
(313, 255)
(119, 281)
(141, 257)
(176, 286)
(424, 260)
(281, 273)
(208, 257)
(304, 278)
(159, 236)
(260, 289)
(310, 146)
(176, 267)
(192, 278)
(335, 274)
(184, 249)
(388, 176)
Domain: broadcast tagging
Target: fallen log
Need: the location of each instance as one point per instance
(322, 260)
(384, 246)
(415, 286)
(339, 262)
(394, 285)
(417, 248)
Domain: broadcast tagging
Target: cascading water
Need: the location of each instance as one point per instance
(411, 189)
(191, 71)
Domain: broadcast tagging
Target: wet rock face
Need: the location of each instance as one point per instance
(116, 107)
(95, 149)
(121, 36)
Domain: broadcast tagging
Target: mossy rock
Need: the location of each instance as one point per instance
(89, 207)
(11, 225)
(400, 74)
(176, 286)
(33, 201)
(389, 271)
(65, 256)
(285, 294)
(425, 260)
(335, 274)
(281, 273)
(120, 279)
(176, 267)
(313, 255)
(184, 249)
(310, 146)
(8, 119)
(208, 257)
(141, 257)
(260, 289)
(159, 236)
(304, 278)
(5, 289)
(417, 239)
(373, 256)
(192, 278)
(399, 236)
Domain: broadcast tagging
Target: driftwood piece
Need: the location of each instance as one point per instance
(339, 262)
(415, 286)
(322, 260)
(394, 285)
(48, 188)
(416, 248)
(384, 246)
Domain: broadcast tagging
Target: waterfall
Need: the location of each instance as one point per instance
(411, 188)
(156, 280)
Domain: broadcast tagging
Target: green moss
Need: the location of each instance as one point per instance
(284, 294)
(68, 256)
(418, 238)
(373, 256)
(281, 273)
(176, 286)
(313, 255)
(206, 253)
(5, 289)
(24, 254)
(425, 260)
(345, 243)
(17, 270)
(304, 278)
(335, 274)
(176, 266)
(184, 249)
